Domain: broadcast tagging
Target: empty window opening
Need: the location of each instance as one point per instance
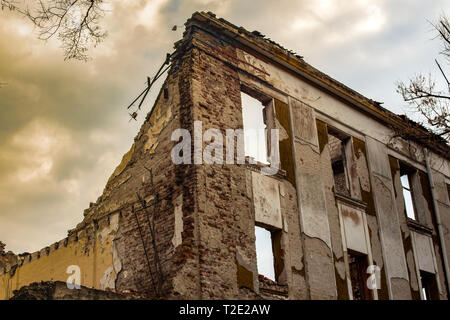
(429, 286)
(336, 143)
(448, 191)
(406, 179)
(255, 138)
(358, 275)
(264, 253)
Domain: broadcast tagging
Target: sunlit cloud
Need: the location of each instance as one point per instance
(338, 24)
(35, 148)
(148, 16)
(373, 21)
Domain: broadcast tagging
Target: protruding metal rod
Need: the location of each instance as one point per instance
(136, 98)
(145, 250)
(150, 81)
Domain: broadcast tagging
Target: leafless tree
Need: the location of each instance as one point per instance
(76, 23)
(432, 103)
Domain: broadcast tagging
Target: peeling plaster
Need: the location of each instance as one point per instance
(390, 233)
(362, 171)
(355, 236)
(111, 228)
(178, 213)
(266, 198)
(305, 128)
(108, 280)
(283, 135)
(125, 160)
(314, 216)
(158, 121)
(252, 61)
(340, 268)
(245, 273)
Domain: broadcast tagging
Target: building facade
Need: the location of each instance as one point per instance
(354, 211)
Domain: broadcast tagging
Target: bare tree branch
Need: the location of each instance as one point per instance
(431, 104)
(76, 23)
(443, 73)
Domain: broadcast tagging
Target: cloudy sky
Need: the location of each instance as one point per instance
(64, 125)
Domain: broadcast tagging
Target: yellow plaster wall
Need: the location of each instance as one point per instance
(96, 261)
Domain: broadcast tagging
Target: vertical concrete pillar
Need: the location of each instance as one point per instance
(441, 205)
(318, 256)
(386, 210)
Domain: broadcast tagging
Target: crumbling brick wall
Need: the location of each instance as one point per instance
(58, 290)
(6, 258)
(224, 217)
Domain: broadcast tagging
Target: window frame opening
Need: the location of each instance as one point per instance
(267, 117)
(406, 181)
(428, 285)
(262, 253)
(448, 191)
(277, 262)
(340, 163)
(358, 264)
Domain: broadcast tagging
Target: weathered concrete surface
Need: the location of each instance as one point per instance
(305, 125)
(354, 229)
(391, 239)
(313, 213)
(408, 245)
(425, 252)
(420, 237)
(442, 187)
(266, 200)
(313, 208)
(332, 210)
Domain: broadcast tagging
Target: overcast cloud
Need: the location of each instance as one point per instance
(64, 125)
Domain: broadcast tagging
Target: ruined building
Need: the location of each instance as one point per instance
(359, 208)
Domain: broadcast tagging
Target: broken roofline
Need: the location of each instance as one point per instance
(295, 63)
